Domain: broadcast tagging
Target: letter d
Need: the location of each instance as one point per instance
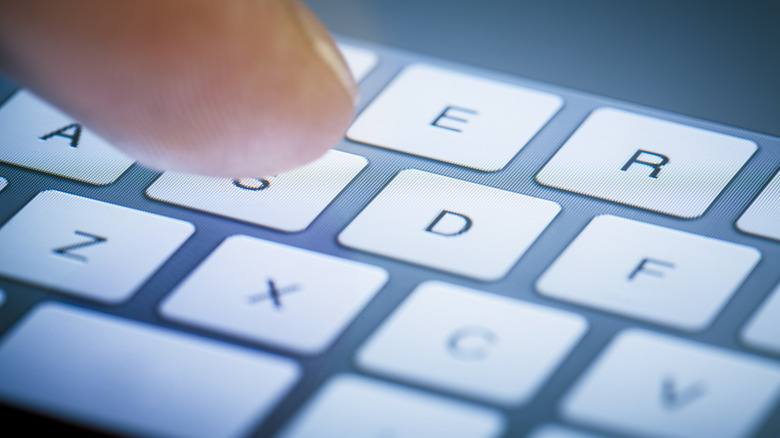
(448, 223)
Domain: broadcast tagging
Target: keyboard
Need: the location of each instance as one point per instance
(481, 256)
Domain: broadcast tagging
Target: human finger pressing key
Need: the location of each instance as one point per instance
(233, 88)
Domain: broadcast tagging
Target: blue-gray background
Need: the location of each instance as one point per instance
(716, 60)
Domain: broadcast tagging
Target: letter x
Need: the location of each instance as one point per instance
(273, 293)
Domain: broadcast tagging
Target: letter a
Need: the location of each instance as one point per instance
(71, 132)
(448, 223)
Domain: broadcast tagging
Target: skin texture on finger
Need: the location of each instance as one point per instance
(234, 88)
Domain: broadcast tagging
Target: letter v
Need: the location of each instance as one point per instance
(674, 397)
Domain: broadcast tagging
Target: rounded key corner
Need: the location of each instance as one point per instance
(117, 301)
(95, 183)
(540, 178)
(310, 351)
(581, 320)
(359, 360)
(52, 192)
(757, 254)
(555, 205)
(485, 169)
(340, 239)
(743, 337)
(686, 217)
(608, 109)
(380, 271)
(606, 217)
(753, 142)
(354, 156)
(46, 306)
(191, 228)
(418, 66)
(291, 230)
(488, 278)
(756, 346)
(739, 225)
(350, 136)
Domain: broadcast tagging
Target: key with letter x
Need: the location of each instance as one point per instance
(274, 293)
(319, 294)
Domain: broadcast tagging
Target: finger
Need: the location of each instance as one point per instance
(235, 88)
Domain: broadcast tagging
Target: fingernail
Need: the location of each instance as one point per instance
(325, 47)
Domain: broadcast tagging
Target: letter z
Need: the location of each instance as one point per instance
(67, 251)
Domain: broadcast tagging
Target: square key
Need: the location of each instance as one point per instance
(268, 292)
(646, 384)
(649, 272)
(349, 406)
(763, 330)
(87, 248)
(555, 431)
(646, 162)
(472, 343)
(135, 379)
(38, 136)
(455, 118)
(288, 202)
(448, 224)
(762, 218)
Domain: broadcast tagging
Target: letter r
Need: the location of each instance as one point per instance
(656, 164)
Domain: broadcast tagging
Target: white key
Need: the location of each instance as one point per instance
(87, 248)
(40, 137)
(649, 272)
(356, 407)
(653, 385)
(763, 330)
(647, 163)
(762, 218)
(268, 292)
(288, 202)
(445, 223)
(551, 431)
(453, 117)
(3, 183)
(135, 379)
(360, 61)
(472, 343)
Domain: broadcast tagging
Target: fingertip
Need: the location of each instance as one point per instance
(324, 46)
(233, 89)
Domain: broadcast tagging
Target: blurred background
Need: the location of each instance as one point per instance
(716, 60)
